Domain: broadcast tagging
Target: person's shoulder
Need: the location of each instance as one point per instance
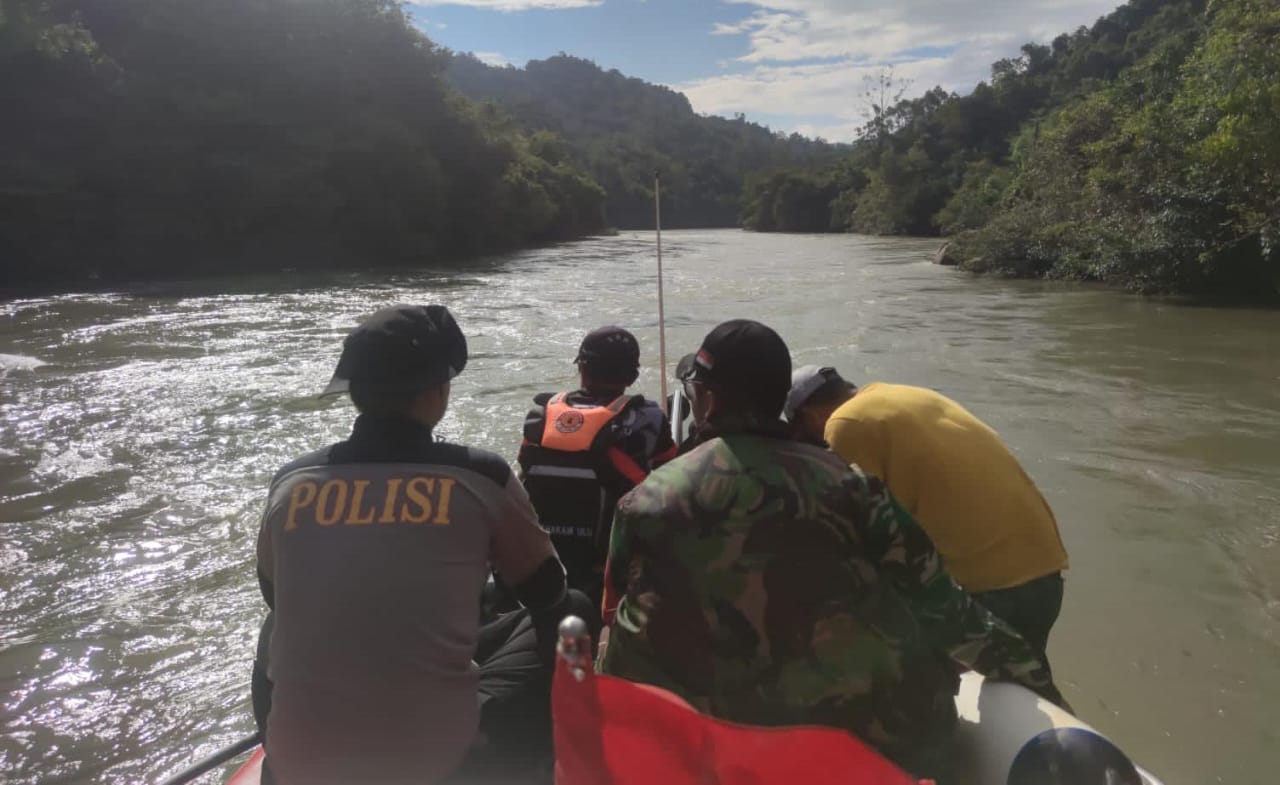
(649, 412)
(905, 395)
(879, 401)
(729, 458)
(535, 420)
(474, 459)
(697, 460)
(678, 475)
(811, 467)
(640, 402)
(320, 457)
(540, 401)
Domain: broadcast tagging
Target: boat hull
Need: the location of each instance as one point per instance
(997, 720)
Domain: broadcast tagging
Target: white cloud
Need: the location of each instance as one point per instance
(492, 58)
(831, 90)
(789, 30)
(852, 39)
(514, 5)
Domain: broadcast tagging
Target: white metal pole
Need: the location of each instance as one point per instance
(662, 316)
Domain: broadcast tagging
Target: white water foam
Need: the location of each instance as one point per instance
(19, 362)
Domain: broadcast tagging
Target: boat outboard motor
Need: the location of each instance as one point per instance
(1072, 756)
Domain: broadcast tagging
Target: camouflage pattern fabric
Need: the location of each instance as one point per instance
(766, 582)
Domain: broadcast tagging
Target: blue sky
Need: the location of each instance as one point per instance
(797, 65)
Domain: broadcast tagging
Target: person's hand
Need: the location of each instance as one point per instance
(602, 643)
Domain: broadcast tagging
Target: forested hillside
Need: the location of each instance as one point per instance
(622, 129)
(172, 137)
(1144, 151)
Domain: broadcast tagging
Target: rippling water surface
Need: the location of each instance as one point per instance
(138, 431)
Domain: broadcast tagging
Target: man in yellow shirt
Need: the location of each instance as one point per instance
(952, 472)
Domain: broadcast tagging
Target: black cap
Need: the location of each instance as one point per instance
(609, 348)
(748, 357)
(402, 348)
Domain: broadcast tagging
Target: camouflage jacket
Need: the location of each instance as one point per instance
(767, 582)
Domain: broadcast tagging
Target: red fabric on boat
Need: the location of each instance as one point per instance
(251, 772)
(609, 731)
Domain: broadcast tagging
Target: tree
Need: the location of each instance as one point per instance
(1165, 179)
(881, 93)
(1141, 151)
(154, 137)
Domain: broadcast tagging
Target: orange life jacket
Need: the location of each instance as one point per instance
(573, 428)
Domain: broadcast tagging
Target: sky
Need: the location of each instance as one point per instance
(795, 65)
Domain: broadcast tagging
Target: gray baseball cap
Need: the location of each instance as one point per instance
(806, 381)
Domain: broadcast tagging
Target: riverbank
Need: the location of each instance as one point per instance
(325, 266)
(974, 252)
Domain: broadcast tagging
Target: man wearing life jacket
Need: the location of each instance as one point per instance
(372, 554)
(955, 475)
(583, 450)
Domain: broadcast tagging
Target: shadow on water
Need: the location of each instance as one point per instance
(276, 281)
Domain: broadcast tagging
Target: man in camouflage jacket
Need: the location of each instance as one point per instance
(767, 582)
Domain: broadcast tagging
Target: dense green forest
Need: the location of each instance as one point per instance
(1144, 151)
(622, 130)
(161, 137)
(171, 137)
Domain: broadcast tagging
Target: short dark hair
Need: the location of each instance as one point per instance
(609, 373)
(761, 404)
(369, 399)
(833, 392)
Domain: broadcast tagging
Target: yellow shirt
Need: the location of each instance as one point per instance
(954, 474)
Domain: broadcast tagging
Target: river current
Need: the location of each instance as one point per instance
(138, 430)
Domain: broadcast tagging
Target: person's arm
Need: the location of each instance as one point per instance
(522, 553)
(522, 461)
(265, 561)
(626, 455)
(615, 577)
(534, 423)
(949, 618)
(629, 548)
(665, 448)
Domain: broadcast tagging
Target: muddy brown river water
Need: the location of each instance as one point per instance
(138, 430)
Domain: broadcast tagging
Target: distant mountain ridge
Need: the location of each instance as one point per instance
(621, 129)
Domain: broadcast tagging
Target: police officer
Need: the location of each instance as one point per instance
(372, 554)
(767, 582)
(583, 450)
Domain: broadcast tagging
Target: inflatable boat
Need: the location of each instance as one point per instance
(1006, 735)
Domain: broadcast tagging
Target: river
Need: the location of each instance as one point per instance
(139, 430)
